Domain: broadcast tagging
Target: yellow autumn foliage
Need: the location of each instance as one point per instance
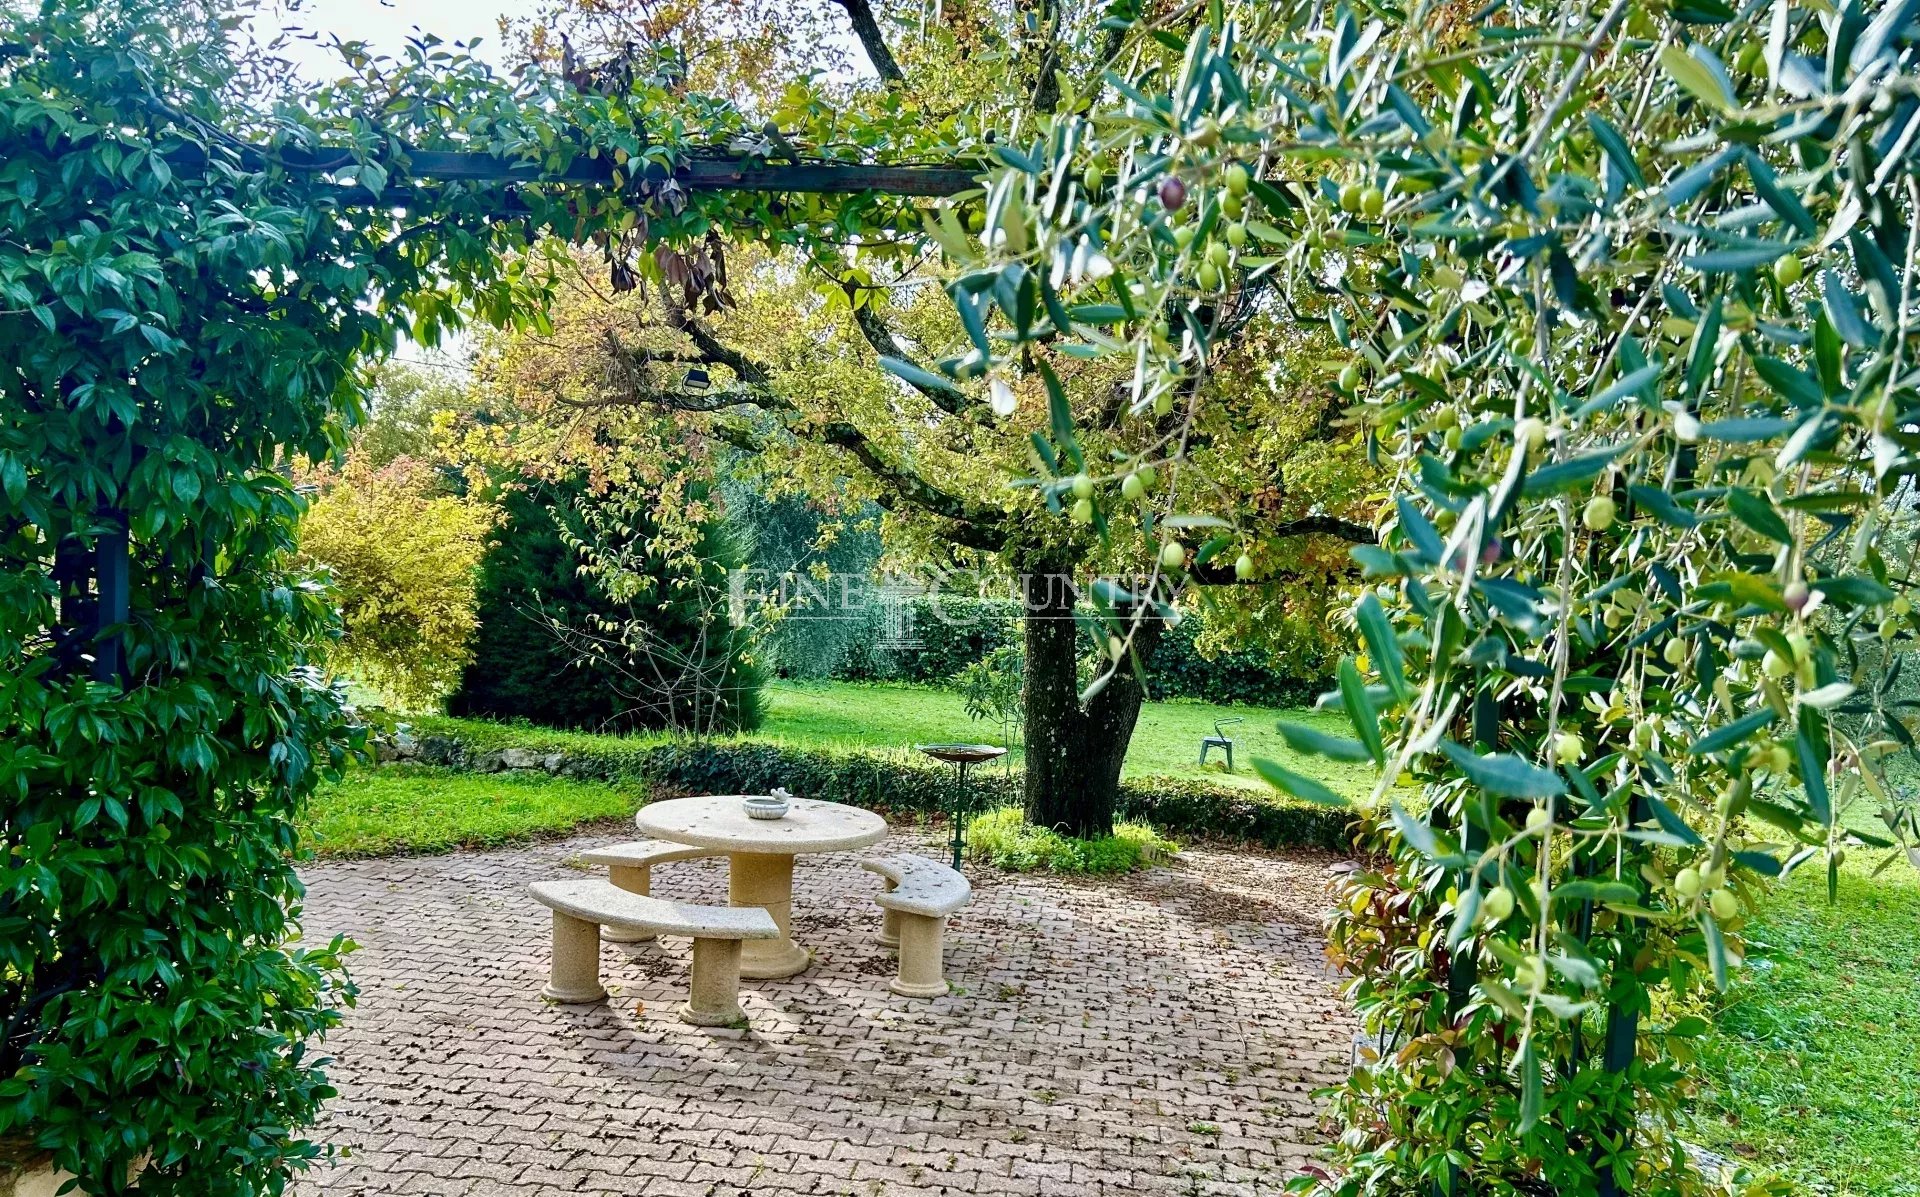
(402, 554)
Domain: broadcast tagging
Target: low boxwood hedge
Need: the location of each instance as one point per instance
(894, 781)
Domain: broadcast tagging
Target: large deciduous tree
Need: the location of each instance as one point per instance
(831, 361)
(400, 553)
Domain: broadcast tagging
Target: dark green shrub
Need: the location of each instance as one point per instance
(1256, 677)
(555, 648)
(952, 632)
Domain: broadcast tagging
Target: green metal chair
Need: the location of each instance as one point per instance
(1219, 739)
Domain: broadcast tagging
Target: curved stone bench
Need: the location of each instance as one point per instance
(630, 866)
(919, 895)
(580, 908)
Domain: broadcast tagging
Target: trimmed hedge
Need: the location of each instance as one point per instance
(892, 781)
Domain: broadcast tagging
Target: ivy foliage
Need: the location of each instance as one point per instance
(1624, 296)
(162, 337)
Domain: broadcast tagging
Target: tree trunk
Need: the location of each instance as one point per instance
(1073, 752)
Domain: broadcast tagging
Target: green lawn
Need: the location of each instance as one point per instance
(1815, 1064)
(1166, 742)
(410, 808)
(414, 808)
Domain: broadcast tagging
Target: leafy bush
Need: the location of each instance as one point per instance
(566, 643)
(990, 688)
(1006, 840)
(947, 633)
(1183, 668)
(401, 555)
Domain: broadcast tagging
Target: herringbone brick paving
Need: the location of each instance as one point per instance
(1160, 1033)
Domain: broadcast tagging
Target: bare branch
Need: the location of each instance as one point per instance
(867, 29)
(1046, 84)
(903, 481)
(948, 398)
(1326, 525)
(967, 525)
(712, 348)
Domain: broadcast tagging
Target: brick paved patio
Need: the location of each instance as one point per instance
(1160, 1033)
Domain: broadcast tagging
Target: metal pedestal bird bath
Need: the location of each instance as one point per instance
(962, 757)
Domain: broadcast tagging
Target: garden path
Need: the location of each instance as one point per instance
(1158, 1033)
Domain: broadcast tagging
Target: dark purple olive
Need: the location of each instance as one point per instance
(1492, 552)
(1173, 193)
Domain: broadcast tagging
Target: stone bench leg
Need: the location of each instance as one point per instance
(922, 973)
(635, 879)
(575, 974)
(890, 923)
(714, 1000)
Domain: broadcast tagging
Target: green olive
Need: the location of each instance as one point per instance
(1568, 748)
(1497, 904)
(1599, 513)
(1725, 905)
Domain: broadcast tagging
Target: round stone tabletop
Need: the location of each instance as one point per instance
(718, 822)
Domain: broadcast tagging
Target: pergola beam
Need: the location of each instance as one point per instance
(698, 173)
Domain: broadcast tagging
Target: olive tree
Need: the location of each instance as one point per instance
(1625, 301)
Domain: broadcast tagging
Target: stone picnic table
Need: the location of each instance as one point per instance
(760, 858)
